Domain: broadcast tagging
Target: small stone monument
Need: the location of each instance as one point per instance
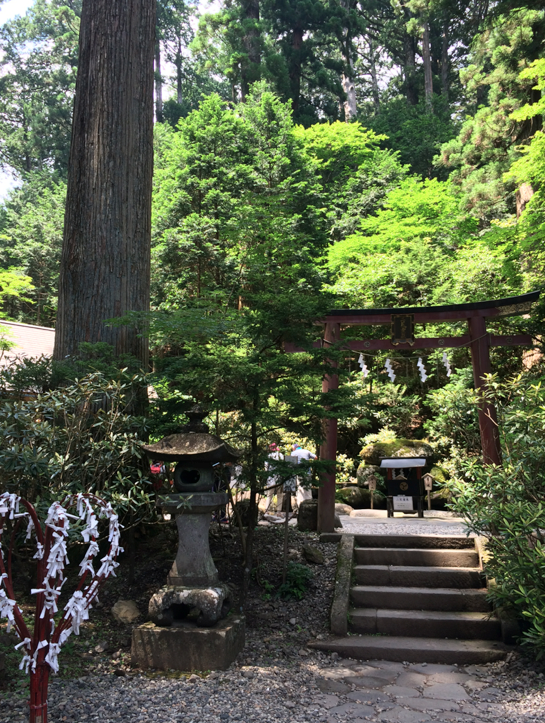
(190, 628)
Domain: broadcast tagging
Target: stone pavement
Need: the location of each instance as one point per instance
(403, 693)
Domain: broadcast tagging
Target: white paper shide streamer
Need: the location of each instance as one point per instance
(422, 368)
(447, 364)
(77, 608)
(389, 369)
(363, 365)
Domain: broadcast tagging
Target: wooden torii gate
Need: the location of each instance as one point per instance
(402, 322)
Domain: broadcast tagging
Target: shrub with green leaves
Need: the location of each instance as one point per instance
(81, 437)
(298, 578)
(507, 504)
(453, 429)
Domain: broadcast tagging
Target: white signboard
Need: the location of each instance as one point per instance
(403, 503)
(372, 483)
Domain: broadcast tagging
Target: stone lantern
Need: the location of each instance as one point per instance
(193, 602)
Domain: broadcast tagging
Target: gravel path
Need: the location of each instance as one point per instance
(306, 687)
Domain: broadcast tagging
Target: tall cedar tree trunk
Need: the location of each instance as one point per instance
(179, 61)
(295, 66)
(445, 62)
(158, 84)
(250, 70)
(411, 92)
(105, 265)
(347, 79)
(374, 77)
(426, 57)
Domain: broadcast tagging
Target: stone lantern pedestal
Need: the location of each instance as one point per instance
(190, 627)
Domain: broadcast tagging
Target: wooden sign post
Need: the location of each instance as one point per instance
(428, 486)
(372, 488)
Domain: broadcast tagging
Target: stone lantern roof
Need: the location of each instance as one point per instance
(193, 444)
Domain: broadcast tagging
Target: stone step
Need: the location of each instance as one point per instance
(425, 624)
(414, 650)
(405, 576)
(416, 557)
(416, 598)
(426, 542)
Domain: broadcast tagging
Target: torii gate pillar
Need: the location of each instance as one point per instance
(488, 420)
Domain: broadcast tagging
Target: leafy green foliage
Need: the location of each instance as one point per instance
(506, 505)
(529, 169)
(355, 174)
(486, 145)
(31, 241)
(298, 577)
(234, 195)
(415, 133)
(453, 428)
(80, 437)
(39, 60)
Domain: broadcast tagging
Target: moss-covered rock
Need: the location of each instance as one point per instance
(400, 447)
(359, 498)
(369, 470)
(440, 475)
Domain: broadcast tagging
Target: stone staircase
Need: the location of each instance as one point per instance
(418, 598)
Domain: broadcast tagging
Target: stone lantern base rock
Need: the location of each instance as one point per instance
(173, 603)
(184, 646)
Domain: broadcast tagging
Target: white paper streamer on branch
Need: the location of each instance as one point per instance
(27, 660)
(422, 368)
(6, 608)
(9, 503)
(29, 529)
(389, 369)
(447, 364)
(363, 365)
(77, 608)
(52, 656)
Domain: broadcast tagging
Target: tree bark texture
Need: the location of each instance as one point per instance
(411, 92)
(105, 265)
(252, 46)
(523, 195)
(347, 79)
(374, 77)
(179, 65)
(158, 84)
(295, 66)
(445, 62)
(426, 57)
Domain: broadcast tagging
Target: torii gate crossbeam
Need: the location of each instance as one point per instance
(478, 339)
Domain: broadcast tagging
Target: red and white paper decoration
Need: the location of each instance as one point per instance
(53, 543)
